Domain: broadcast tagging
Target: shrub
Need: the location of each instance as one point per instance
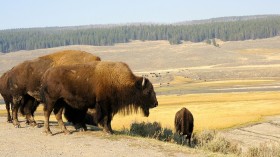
(210, 140)
(207, 140)
(145, 129)
(264, 150)
(152, 130)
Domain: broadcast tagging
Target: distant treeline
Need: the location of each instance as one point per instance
(35, 38)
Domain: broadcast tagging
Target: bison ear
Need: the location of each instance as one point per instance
(141, 83)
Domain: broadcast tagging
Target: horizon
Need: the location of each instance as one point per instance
(135, 23)
(63, 13)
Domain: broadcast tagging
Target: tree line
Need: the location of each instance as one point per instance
(35, 38)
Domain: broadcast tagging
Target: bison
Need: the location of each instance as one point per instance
(25, 79)
(108, 87)
(5, 85)
(6, 94)
(184, 123)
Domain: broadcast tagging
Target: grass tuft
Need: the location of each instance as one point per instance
(264, 150)
(212, 141)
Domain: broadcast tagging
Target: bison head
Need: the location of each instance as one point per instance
(147, 95)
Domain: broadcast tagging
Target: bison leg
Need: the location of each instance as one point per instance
(9, 118)
(29, 111)
(189, 138)
(80, 127)
(15, 108)
(107, 124)
(58, 116)
(30, 120)
(104, 118)
(47, 112)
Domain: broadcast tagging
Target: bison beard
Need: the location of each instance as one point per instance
(109, 87)
(25, 79)
(184, 123)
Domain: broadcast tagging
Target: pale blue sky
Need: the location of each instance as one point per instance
(47, 13)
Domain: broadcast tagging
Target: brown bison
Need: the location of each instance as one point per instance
(25, 79)
(184, 123)
(109, 87)
(8, 99)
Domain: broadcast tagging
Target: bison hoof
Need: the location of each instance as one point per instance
(66, 132)
(47, 132)
(109, 132)
(33, 124)
(9, 121)
(81, 130)
(17, 126)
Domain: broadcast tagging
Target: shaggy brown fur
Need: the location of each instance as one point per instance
(184, 123)
(6, 95)
(109, 87)
(25, 78)
(79, 118)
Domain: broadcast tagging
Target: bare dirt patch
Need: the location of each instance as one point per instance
(29, 141)
(256, 134)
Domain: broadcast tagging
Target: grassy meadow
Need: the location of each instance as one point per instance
(218, 110)
(210, 111)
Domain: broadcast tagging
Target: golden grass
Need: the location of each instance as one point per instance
(210, 111)
(260, 50)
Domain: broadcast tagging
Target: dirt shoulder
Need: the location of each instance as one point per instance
(28, 141)
(266, 132)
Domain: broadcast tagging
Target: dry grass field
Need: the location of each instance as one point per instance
(211, 111)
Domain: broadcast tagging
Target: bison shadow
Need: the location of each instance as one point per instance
(40, 124)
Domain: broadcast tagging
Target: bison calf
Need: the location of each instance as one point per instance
(184, 123)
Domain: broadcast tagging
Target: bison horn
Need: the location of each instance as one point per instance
(143, 82)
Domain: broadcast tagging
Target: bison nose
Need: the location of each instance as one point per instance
(156, 104)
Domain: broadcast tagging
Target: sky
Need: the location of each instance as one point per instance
(49, 13)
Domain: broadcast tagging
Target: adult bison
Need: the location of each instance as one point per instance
(109, 87)
(27, 101)
(184, 123)
(25, 79)
(6, 94)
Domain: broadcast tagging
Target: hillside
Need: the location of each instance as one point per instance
(198, 58)
(225, 19)
(225, 28)
(182, 66)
